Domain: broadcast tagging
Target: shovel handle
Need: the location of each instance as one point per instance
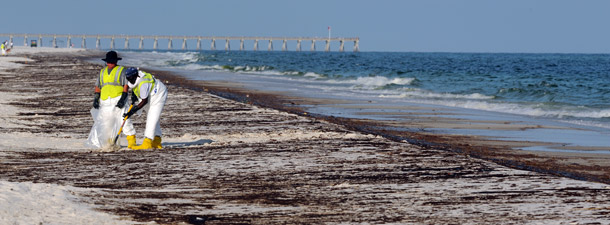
(121, 129)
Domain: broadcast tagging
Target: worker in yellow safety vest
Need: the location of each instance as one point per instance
(150, 93)
(111, 90)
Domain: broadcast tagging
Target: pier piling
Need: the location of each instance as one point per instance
(270, 48)
(284, 46)
(313, 45)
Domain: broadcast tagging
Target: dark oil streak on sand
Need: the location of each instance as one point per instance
(328, 179)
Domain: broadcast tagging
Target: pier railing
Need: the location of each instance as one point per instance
(212, 39)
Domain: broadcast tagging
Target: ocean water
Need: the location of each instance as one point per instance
(566, 88)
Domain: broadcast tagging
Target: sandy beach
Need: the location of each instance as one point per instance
(234, 157)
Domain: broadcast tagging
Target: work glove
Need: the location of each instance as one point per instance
(122, 101)
(131, 112)
(134, 98)
(96, 101)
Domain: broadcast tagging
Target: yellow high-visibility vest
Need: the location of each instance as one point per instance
(148, 78)
(111, 83)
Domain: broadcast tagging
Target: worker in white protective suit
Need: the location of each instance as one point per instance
(109, 103)
(150, 93)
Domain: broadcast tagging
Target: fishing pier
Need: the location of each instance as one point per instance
(140, 39)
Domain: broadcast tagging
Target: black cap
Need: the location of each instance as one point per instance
(112, 57)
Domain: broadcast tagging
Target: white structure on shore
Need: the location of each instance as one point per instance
(212, 39)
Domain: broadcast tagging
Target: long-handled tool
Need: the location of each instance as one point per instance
(119, 134)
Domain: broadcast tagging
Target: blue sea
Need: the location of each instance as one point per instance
(571, 90)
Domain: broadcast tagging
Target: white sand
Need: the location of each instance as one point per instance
(8, 119)
(30, 203)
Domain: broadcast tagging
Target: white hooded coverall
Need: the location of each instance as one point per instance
(154, 107)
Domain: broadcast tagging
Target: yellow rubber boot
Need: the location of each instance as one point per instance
(147, 144)
(131, 141)
(156, 143)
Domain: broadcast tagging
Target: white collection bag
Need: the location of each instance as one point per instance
(107, 121)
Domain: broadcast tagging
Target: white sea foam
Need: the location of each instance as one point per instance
(261, 72)
(416, 93)
(373, 82)
(257, 70)
(589, 123)
(520, 109)
(379, 81)
(313, 75)
(157, 59)
(198, 67)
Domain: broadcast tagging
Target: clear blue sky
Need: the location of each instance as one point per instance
(382, 25)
